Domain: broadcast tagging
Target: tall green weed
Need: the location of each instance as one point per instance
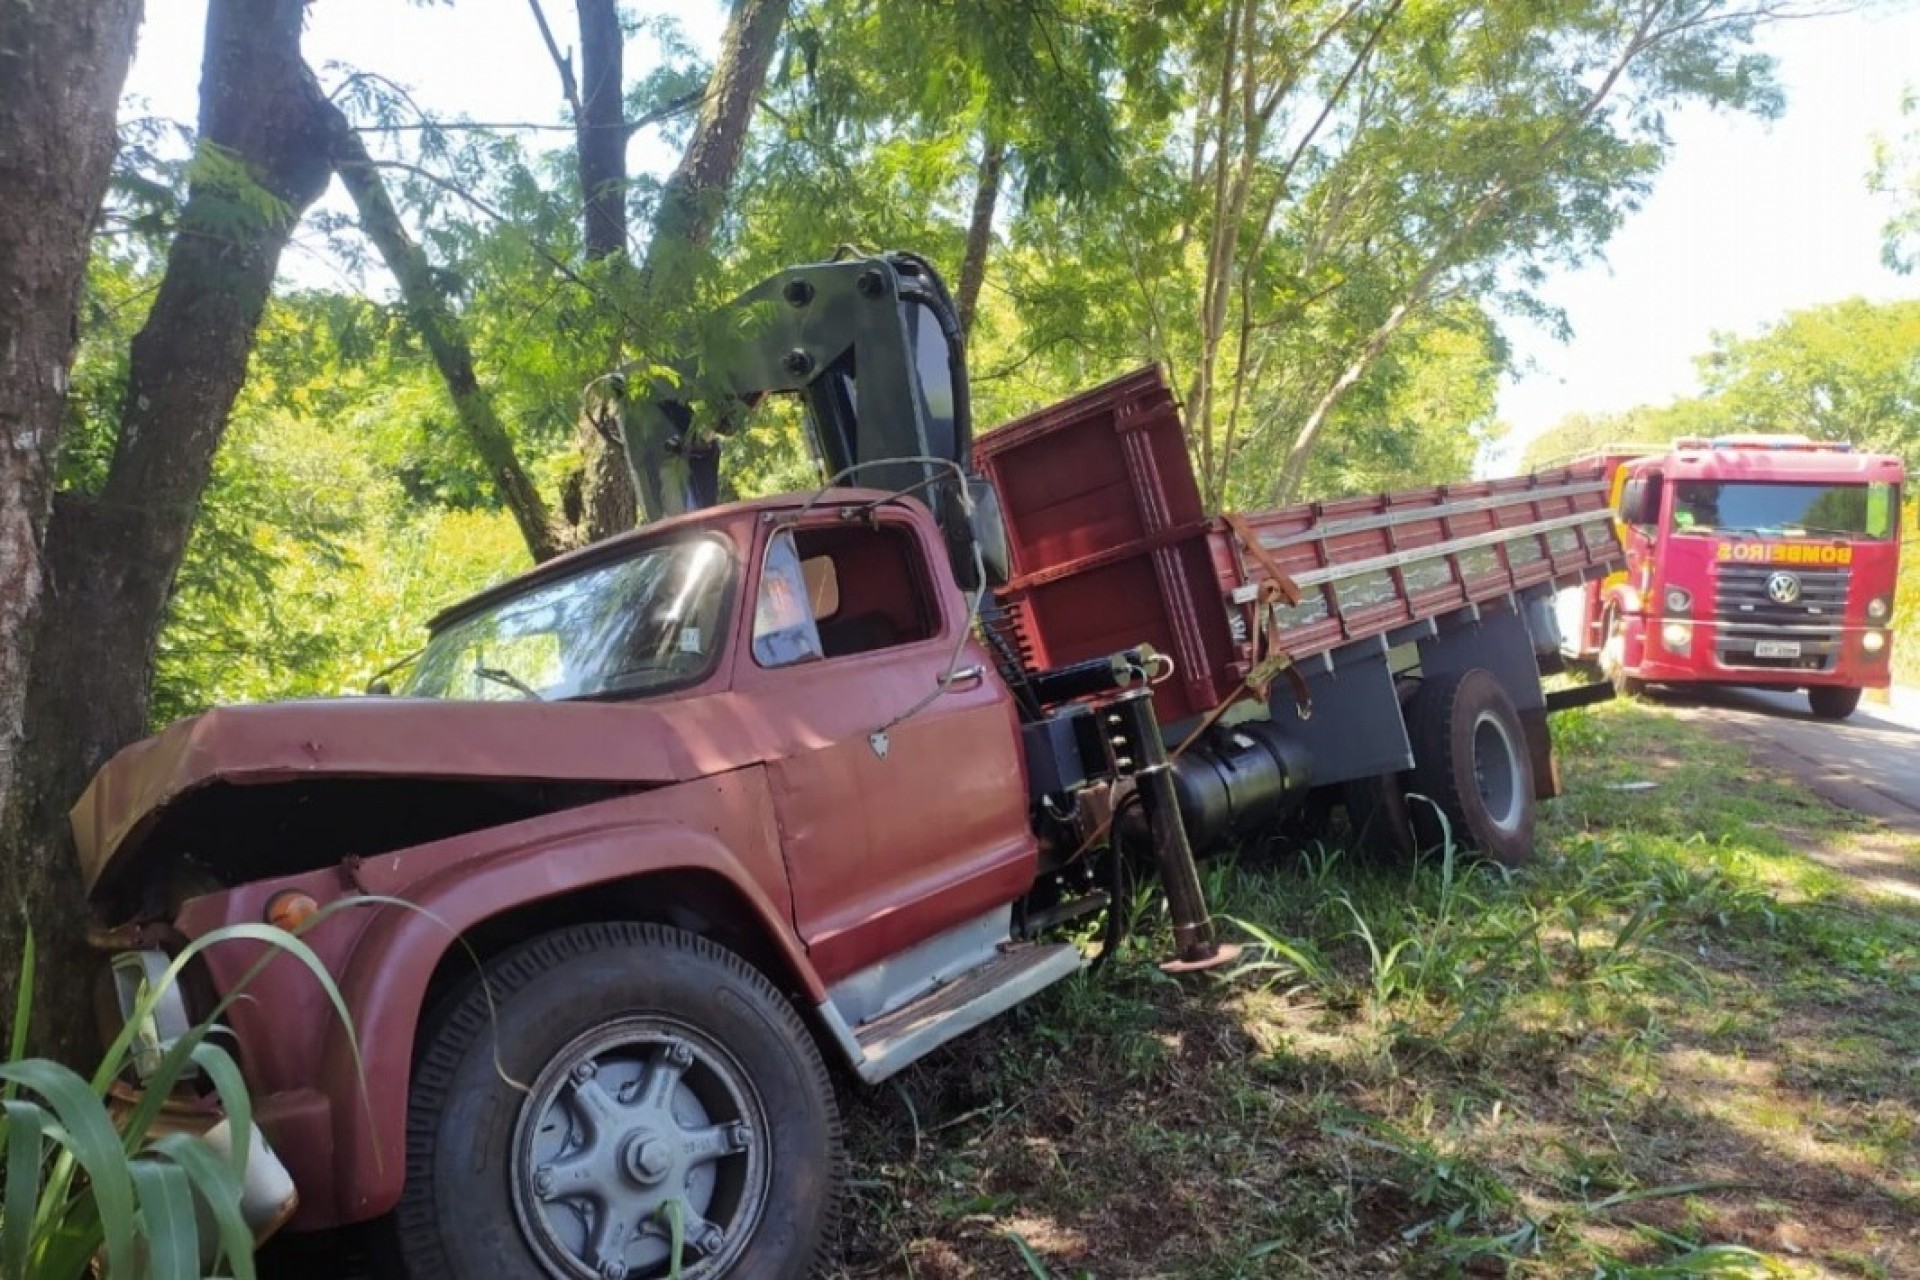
(88, 1184)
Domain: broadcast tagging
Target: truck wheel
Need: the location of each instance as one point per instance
(1470, 758)
(1380, 825)
(622, 1076)
(1613, 658)
(1832, 702)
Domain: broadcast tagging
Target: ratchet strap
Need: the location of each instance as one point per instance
(1270, 658)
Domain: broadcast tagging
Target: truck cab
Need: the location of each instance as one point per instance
(744, 724)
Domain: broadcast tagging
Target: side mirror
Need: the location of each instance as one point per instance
(990, 532)
(978, 542)
(1640, 502)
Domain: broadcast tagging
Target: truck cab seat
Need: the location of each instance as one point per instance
(860, 633)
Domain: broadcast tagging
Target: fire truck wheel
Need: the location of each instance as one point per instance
(1832, 702)
(1613, 658)
(1378, 823)
(1470, 758)
(626, 1090)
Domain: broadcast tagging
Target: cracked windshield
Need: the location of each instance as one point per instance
(642, 624)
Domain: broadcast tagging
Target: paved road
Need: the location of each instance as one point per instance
(1870, 762)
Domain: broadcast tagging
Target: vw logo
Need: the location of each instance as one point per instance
(1783, 588)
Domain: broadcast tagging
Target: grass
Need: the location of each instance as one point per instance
(1676, 1046)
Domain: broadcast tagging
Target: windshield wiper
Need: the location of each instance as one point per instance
(500, 675)
(379, 685)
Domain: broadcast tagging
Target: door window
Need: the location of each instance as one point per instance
(784, 631)
(838, 591)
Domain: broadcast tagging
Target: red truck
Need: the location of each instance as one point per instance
(1766, 560)
(762, 789)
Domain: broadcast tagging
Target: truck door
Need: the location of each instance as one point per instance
(902, 809)
(1640, 506)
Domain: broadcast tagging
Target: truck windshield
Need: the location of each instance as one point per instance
(1859, 511)
(646, 623)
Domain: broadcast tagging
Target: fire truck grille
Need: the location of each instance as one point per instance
(1780, 619)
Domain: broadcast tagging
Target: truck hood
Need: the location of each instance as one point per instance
(588, 742)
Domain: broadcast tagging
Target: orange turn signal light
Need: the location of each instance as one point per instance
(290, 909)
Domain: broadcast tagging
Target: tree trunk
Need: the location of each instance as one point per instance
(61, 71)
(690, 209)
(445, 338)
(606, 491)
(600, 129)
(113, 555)
(986, 197)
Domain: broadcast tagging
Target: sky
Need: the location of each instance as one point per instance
(1749, 220)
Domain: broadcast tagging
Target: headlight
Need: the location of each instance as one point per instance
(1874, 641)
(1678, 600)
(1677, 636)
(158, 1019)
(1879, 608)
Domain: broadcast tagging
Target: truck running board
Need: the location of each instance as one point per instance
(887, 1044)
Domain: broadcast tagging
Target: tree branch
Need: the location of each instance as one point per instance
(563, 63)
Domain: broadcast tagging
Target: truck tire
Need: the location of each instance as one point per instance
(1613, 658)
(1379, 824)
(642, 1073)
(1470, 758)
(1832, 701)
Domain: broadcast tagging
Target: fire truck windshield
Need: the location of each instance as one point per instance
(1854, 511)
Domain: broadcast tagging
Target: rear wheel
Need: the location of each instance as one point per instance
(1833, 702)
(1470, 759)
(624, 1084)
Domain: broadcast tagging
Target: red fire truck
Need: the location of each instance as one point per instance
(1765, 560)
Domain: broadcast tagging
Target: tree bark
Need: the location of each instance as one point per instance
(986, 197)
(600, 129)
(444, 335)
(606, 491)
(690, 209)
(61, 71)
(113, 555)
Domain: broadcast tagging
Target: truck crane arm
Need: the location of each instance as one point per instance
(871, 345)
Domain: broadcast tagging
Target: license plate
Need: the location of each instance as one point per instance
(1777, 649)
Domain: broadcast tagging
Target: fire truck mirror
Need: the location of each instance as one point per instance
(1640, 501)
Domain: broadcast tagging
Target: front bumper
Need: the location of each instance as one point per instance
(1717, 655)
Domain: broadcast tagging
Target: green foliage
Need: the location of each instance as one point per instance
(340, 517)
(1906, 602)
(1844, 371)
(1409, 170)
